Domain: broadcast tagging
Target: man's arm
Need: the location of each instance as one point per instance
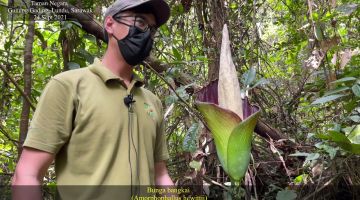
(29, 174)
(161, 175)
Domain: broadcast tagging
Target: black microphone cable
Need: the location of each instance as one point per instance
(131, 194)
(128, 101)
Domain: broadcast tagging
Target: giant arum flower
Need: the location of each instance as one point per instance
(232, 135)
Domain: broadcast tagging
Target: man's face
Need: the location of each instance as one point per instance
(120, 23)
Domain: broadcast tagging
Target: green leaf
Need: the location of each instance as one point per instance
(177, 10)
(286, 195)
(347, 9)
(318, 32)
(301, 178)
(338, 137)
(347, 143)
(355, 118)
(337, 127)
(312, 156)
(233, 5)
(85, 54)
(354, 136)
(344, 80)
(239, 149)
(181, 91)
(337, 90)
(315, 15)
(66, 25)
(350, 105)
(7, 45)
(344, 142)
(249, 76)
(356, 90)
(355, 148)
(327, 99)
(3, 15)
(201, 58)
(190, 140)
(11, 166)
(262, 81)
(329, 149)
(170, 99)
(90, 37)
(165, 30)
(77, 23)
(176, 54)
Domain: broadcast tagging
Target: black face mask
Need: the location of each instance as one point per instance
(136, 46)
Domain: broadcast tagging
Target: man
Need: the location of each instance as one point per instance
(98, 123)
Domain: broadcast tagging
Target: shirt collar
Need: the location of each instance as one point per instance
(106, 75)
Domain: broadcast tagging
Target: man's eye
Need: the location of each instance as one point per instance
(141, 22)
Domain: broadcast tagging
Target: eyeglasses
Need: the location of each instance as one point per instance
(139, 22)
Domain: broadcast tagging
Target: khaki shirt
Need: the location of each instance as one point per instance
(81, 117)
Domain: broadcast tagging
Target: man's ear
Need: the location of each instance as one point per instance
(108, 25)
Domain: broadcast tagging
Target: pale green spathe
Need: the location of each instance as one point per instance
(232, 137)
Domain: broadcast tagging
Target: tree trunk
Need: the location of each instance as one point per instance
(24, 120)
(213, 41)
(3, 95)
(5, 80)
(65, 52)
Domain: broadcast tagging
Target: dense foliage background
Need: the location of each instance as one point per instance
(301, 59)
